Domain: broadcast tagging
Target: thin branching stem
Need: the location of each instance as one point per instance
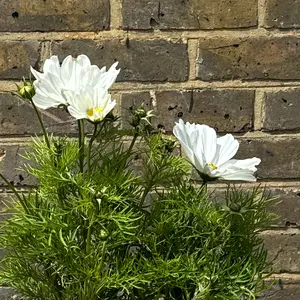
(15, 192)
(124, 160)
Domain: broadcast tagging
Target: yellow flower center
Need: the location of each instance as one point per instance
(90, 112)
(214, 167)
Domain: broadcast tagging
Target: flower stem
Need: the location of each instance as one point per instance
(81, 136)
(90, 148)
(128, 151)
(42, 124)
(88, 240)
(15, 192)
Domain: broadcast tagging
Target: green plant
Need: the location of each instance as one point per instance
(117, 219)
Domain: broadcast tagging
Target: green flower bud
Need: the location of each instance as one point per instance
(103, 235)
(140, 117)
(26, 90)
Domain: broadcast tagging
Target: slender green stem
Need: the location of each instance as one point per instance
(122, 164)
(90, 148)
(41, 123)
(81, 136)
(132, 144)
(15, 192)
(88, 240)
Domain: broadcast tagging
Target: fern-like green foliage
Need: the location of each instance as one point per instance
(130, 226)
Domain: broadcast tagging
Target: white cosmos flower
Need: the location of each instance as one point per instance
(72, 75)
(89, 103)
(212, 156)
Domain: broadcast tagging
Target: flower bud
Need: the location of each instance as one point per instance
(140, 116)
(103, 235)
(26, 89)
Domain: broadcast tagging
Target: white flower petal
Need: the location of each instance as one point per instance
(109, 77)
(77, 114)
(241, 175)
(43, 102)
(227, 147)
(36, 74)
(83, 60)
(51, 65)
(208, 141)
(179, 131)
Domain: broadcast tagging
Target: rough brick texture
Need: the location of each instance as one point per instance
(288, 206)
(281, 109)
(283, 289)
(147, 60)
(17, 117)
(282, 14)
(11, 164)
(225, 110)
(44, 15)
(16, 57)
(277, 162)
(253, 58)
(190, 14)
(284, 249)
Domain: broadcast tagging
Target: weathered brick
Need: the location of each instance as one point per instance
(283, 289)
(276, 161)
(17, 116)
(192, 14)
(283, 249)
(16, 57)
(140, 60)
(281, 110)
(131, 101)
(288, 206)
(250, 58)
(225, 110)
(38, 15)
(282, 14)
(11, 163)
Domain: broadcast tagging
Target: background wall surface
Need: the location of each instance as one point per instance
(231, 64)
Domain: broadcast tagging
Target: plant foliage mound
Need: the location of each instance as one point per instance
(117, 219)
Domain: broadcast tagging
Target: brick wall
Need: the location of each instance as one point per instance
(234, 65)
